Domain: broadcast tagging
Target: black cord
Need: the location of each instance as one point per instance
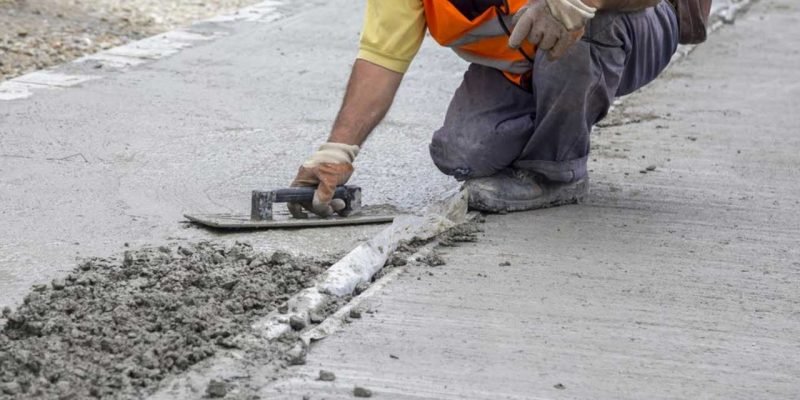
(500, 13)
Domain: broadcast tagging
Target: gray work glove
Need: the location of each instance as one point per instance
(552, 25)
(329, 167)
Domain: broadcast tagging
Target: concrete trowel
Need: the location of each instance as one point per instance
(264, 216)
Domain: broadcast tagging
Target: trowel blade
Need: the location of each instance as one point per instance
(241, 221)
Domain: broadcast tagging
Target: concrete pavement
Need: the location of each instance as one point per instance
(674, 283)
(678, 280)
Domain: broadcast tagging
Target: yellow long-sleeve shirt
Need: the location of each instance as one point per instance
(393, 32)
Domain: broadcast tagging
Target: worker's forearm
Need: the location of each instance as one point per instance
(621, 5)
(369, 95)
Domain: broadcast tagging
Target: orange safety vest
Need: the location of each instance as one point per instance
(477, 30)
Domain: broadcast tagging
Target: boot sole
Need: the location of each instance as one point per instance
(574, 193)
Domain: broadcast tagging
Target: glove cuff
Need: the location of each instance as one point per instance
(333, 153)
(572, 13)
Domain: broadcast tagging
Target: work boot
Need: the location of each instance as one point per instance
(519, 190)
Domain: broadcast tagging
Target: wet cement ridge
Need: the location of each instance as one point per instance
(417, 252)
(116, 328)
(135, 53)
(360, 265)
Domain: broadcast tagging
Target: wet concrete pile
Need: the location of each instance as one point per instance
(116, 328)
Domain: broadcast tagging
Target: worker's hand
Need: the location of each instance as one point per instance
(326, 169)
(552, 25)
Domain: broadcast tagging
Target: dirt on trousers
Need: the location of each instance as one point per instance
(116, 328)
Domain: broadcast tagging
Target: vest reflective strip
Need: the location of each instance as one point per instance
(487, 30)
(481, 40)
(491, 28)
(515, 67)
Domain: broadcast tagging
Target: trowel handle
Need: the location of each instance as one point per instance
(304, 194)
(261, 203)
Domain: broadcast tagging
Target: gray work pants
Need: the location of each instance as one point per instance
(492, 124)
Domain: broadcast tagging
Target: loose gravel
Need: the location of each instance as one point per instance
(116, 328)
(36, 34)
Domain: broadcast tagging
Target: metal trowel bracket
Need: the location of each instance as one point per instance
(262, 201)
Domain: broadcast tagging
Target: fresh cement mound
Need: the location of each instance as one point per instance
(115, 329)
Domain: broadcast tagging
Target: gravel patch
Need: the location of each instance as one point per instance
(42, 33)
(116, 328)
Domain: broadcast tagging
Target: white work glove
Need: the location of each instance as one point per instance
(329, 167)
(552, 25)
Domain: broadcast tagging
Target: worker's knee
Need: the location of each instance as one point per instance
(464, 154)
(456, 158)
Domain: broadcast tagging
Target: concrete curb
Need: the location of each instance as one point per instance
(136, 53)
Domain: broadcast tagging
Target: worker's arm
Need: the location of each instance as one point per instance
(392, 34)
(369, 95)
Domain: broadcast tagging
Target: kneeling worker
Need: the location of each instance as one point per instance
(542, 73)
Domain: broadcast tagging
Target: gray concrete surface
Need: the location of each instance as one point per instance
(118, 160)
(677, 283)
